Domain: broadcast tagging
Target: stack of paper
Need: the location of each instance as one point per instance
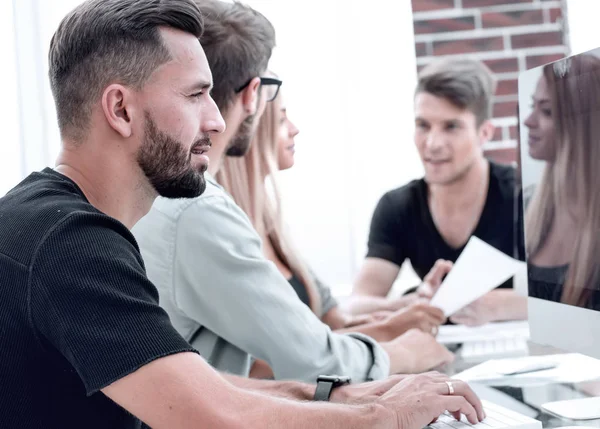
(569, 368)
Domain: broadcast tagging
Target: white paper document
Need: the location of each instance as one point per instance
(569, 368)
(457, 334)
(479, 269)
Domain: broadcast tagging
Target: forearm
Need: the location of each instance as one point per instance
(365, 304)
(282, 389)
(262, 411)
(379, 331)
(511, 306)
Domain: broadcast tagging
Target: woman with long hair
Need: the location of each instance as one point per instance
(252, 182)
(562, 217)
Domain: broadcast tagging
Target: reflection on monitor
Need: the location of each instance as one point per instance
(561, 123)
(559, 117)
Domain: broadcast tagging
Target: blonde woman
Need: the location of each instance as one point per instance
(246, 180)
(562, 219)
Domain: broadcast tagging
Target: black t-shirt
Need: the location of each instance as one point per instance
(77, 311)
(403, 228)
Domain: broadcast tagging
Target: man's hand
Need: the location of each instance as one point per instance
(415, 352)
(418, 400)
(500, 304)
(364, 393)
(433, 279)
(417, 316)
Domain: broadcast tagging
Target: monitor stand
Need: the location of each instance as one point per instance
(575, 409)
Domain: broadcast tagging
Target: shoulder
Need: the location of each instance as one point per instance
(213, 199)
(92, 235)
(44, 208)
(505, 178)
(503, 173)
(404, 196)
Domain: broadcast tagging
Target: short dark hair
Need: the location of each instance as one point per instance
(106, 41)
(466, 83)
(238, 42)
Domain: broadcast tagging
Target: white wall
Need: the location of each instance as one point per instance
(583, 25)
(10, 148)
(349, 71)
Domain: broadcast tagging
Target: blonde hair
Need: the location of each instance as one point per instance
(571, 179)
(244, 179)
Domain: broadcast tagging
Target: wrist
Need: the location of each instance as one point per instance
(401, 359)
(296, 390)
(379, 416)
(340, 395)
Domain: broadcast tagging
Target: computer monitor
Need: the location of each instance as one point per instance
(559, 127)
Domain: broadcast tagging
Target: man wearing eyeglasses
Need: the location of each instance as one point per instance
(205, 257)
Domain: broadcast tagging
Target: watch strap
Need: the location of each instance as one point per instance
(323, 391)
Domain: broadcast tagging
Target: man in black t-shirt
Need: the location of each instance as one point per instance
(430, 220)
(84, 342)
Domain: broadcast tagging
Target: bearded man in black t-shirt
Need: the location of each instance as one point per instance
(429, 221)
(84, 341)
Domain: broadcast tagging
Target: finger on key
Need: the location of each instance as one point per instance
(458, 404)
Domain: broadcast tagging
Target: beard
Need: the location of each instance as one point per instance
(240, 143)
(168, 166)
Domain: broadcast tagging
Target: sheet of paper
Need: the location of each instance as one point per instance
(570, 368)
(479, 269)
(456, 334)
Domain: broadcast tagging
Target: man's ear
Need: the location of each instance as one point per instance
(119, 109)
(486, 131)
(249, 96)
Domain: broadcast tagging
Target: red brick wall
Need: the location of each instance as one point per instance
(510, 36)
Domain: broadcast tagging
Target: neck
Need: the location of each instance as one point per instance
(107, 180)
(220, 142)
(464, 191)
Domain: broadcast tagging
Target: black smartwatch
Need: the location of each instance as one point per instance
(326, 383)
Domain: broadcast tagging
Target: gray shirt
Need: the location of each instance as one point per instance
(230, 303)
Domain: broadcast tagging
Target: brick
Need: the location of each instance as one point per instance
(539, 60)
(555, 14)
(421, 49)
(505, 109)
(468, 45)
(481, 3)
(463, 23)
(426, 5)
(498, 135)
(502, 156)
(534, 40)
(503, 65)
(507, 87)
(510, 19)
(513, 133)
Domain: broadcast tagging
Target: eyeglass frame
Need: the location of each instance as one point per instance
(264, 81)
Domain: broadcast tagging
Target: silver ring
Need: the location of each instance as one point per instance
(450, 387)
(434, 330)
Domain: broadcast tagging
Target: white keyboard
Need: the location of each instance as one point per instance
(497, 347)
(497, 417)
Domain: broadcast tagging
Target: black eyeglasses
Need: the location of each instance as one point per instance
(271, 85)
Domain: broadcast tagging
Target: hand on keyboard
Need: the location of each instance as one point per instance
(497, 417)
(420, 399)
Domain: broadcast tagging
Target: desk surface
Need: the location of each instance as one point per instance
(528, 400)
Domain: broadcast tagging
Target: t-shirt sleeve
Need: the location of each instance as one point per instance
(385, 234)
(90, 299)
(328, 301)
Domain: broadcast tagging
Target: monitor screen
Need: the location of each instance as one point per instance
(559, 127)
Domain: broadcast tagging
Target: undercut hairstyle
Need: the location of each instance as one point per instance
(238, 42)
(467, 84)
(102, 42)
